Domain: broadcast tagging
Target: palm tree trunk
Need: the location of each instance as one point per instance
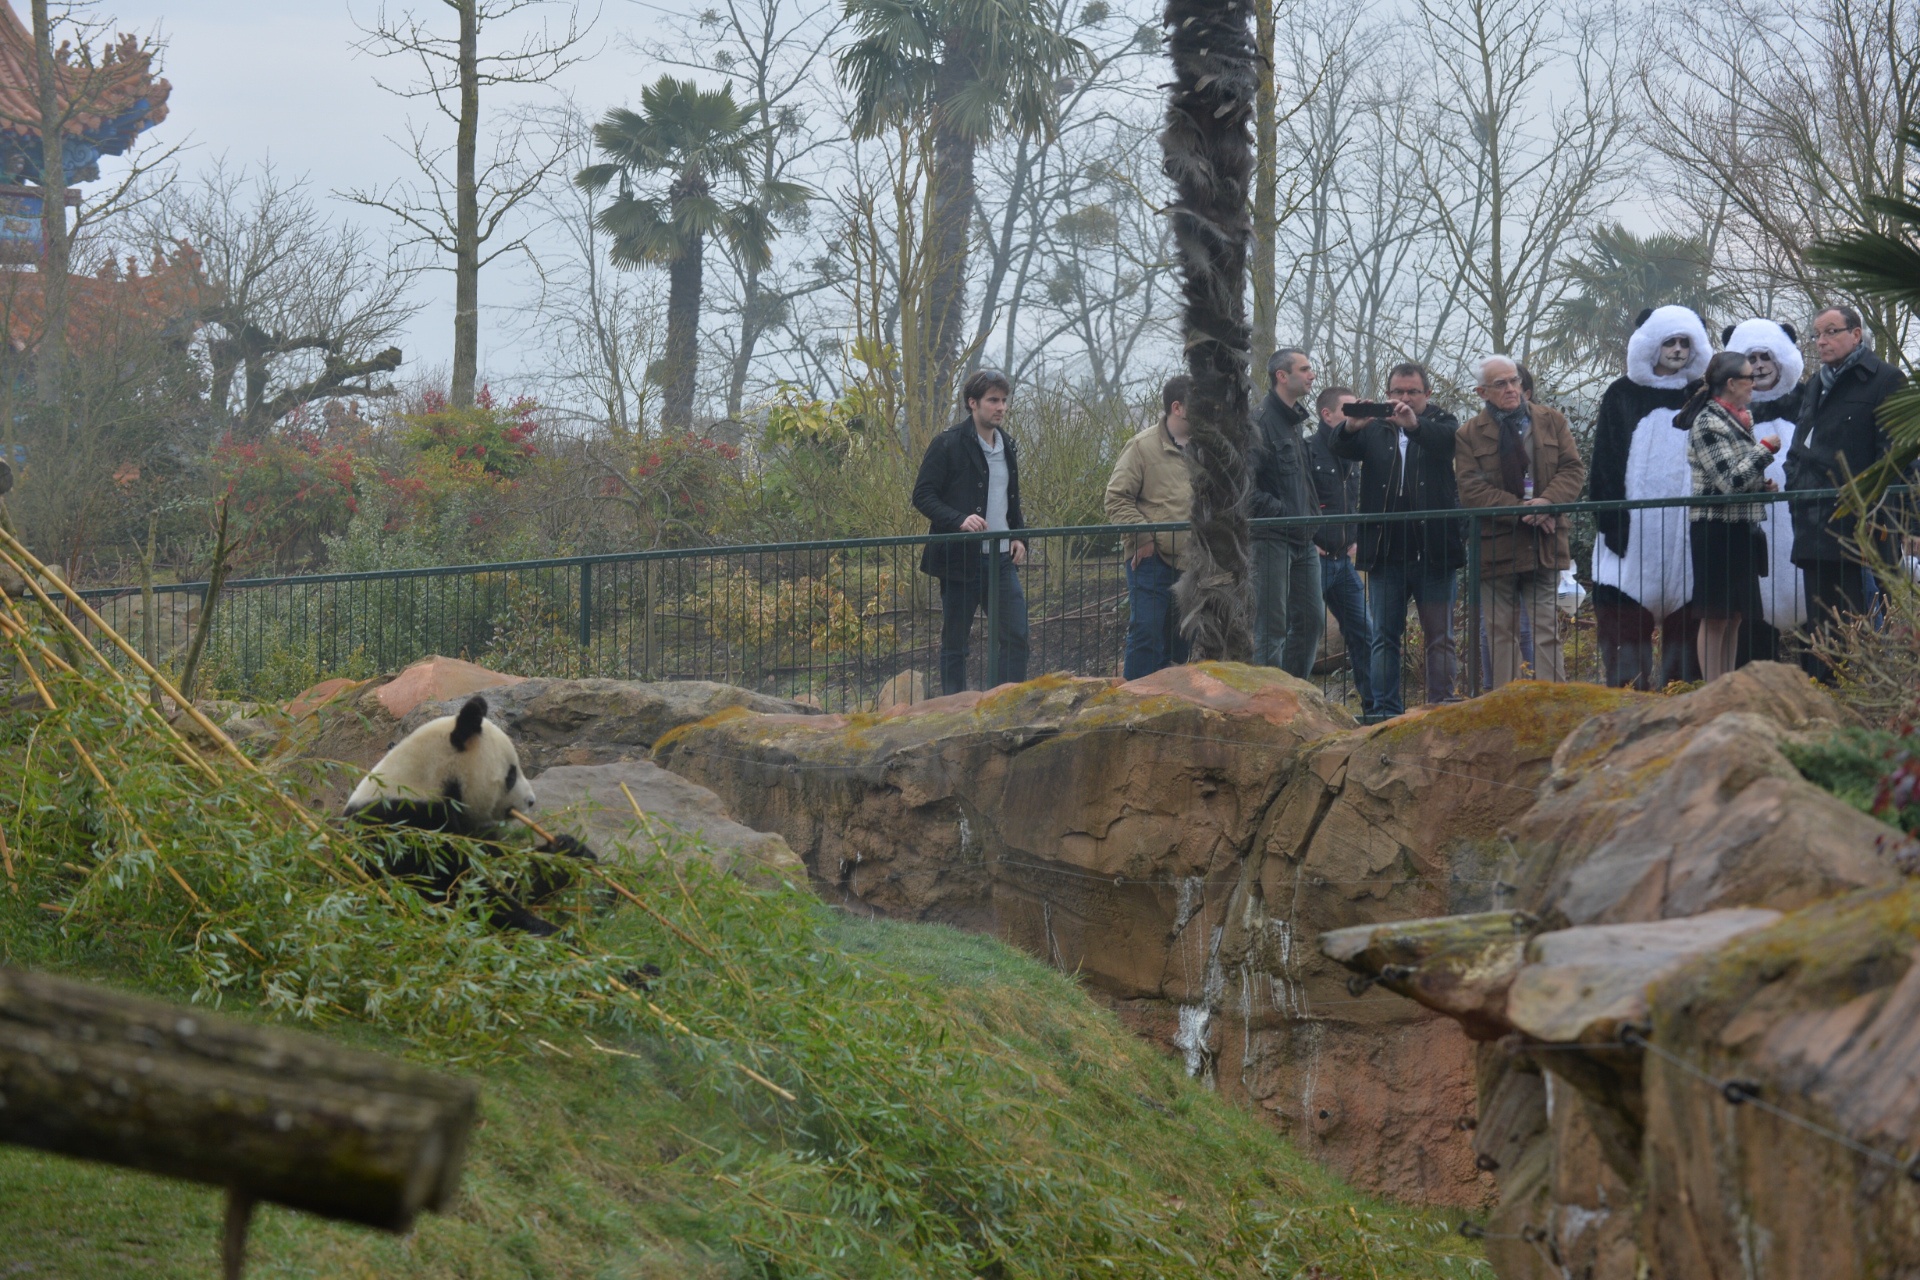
(50, 362)
(1266, 188)
(948, 222)
(683, 333)
(1208, 149)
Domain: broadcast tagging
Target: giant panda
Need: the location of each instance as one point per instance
(458, 775)
(1774, 409)
(1642, 563)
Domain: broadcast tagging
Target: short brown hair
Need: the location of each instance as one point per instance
(983, 381)
(1178, 390)
(1330, 398)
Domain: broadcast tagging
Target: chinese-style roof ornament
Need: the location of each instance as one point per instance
(108, 102)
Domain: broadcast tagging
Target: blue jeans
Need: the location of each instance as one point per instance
(960, 599)
(1347, 601)
(1153, 620)
(1289, 616)
(1389, 588)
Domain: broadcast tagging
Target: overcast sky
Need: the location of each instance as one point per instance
(254, 79)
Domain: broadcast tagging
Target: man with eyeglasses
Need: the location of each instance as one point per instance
(1839, 435)
(969, 482)
(1515, 453)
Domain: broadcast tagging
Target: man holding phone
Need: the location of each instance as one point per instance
(1406, 464)
(1337, 486)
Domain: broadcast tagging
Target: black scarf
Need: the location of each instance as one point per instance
(1513, 446)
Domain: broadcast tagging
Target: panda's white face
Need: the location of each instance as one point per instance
(464, 758)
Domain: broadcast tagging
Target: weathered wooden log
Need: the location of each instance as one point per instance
(268, 1114)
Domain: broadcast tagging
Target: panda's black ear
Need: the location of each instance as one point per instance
(1792, 337)
(1726, 335)
(1642, 317)
(466, 725)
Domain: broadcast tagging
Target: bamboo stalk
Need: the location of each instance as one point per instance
(619, 888)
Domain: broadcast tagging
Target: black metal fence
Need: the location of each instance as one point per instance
(854, 623)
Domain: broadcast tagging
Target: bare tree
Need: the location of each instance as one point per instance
(1524, 141)
(598, 327)
(456, 205)
(1781, 130)
(295, 308)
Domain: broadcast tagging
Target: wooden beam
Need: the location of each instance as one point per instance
(267, 1114)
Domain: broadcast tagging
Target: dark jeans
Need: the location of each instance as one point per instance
(1836, 589)
(1153, 620)
(960, 599)
(1389, 588)
(1347, 601)
(1289, 616)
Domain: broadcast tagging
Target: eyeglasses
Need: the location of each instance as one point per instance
(1503, 384)
(1831, 333)
(1740, 377)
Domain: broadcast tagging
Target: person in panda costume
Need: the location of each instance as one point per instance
(1773, 351)
(1642, 564)
(459, 775)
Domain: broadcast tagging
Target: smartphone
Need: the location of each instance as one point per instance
(1369, 409)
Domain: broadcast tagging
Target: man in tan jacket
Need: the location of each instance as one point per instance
(1519, 454)
(1152, 485)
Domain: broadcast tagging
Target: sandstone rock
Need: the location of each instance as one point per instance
(1682, 805)
(1822, 1013)
(904, 689)
(439, 679)
(311, 700)
(1672, 832)
(1583, 984)
(587, 801)
(599, 721)
(1461, 966)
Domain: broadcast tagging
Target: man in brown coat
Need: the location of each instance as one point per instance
(1513, 454)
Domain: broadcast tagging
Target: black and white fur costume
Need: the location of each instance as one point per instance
(459, 774)
(1637, 453)
(1783, 593)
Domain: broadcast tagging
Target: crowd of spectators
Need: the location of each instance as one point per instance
(1356, 507)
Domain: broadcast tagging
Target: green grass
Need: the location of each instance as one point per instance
(609, 1167)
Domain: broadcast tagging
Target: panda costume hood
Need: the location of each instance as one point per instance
(1782, 595)
(1637, 453)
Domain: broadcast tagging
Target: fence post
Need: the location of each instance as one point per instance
(1473, 606)
(993, 612)
(586, 605)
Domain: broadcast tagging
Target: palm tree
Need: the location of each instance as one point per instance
(1884, 265)
(697, 137)
(1208, 149)
(1621, 275)
(971, 71)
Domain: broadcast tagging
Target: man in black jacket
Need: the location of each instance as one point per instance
(1336, 483)
(1289, 614)
(969, 482)
(1406, 464)
(1838, 435)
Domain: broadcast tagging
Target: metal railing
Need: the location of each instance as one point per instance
(844, 623)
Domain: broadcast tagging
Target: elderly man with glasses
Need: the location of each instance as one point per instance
(1838, 435)
(1518, 454)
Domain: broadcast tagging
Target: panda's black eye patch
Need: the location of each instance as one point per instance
(513, 775)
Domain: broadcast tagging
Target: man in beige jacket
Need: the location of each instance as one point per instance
(1152, 485)
(1518, 454)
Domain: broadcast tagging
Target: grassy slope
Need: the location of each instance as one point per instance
(609, 1167)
